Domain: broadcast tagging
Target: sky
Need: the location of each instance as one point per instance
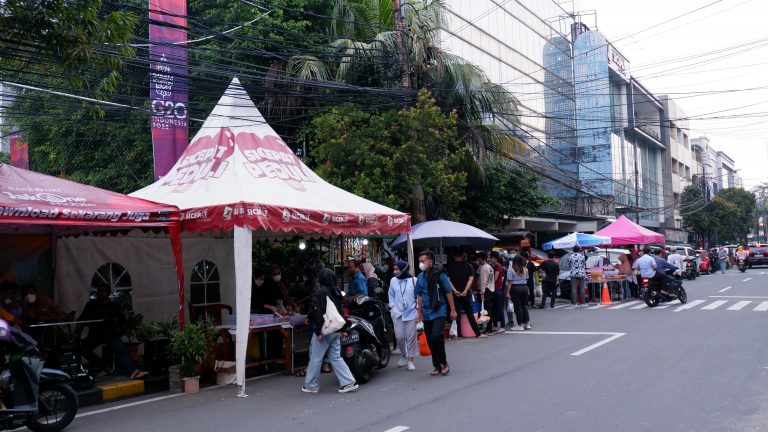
(724, 93)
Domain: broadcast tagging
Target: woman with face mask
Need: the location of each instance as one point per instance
(274, 293)
(402, 306)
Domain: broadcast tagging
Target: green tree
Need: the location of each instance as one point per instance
(511, 191)
(693, 208)
(734, 209)
(382, 156)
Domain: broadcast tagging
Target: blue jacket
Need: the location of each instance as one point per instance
(358, 285)
(662, 265)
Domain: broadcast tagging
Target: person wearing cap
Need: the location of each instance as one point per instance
(402, 306)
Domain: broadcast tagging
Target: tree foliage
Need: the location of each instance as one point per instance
(511, 192)
(727, 218)
(382, 156)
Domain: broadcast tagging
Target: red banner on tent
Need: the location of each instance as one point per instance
(19, 151)
(168, 82)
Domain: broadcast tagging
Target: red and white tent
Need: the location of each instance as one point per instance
(238, 174)
(34, 203)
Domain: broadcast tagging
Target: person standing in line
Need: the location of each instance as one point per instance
(517, 291)
(578, 267)
(328, 346)
(625, 268)
(486, 287)
(462, 277)
(722, 257)
(499, 302)
(435, 296)
(402, 306)
(357, 285)
(374, 285)
(549, 283)
(531, 267)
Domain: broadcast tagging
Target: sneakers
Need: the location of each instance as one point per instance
(348, 388)
(306, 390)
(517, 328)
(528, 326)
(401, 362)
(411, 366)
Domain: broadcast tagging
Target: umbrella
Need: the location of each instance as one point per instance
(440, 233)
(574, 239)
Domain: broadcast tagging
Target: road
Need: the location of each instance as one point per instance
(699, 367)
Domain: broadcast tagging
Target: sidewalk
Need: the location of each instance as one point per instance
(114, 388)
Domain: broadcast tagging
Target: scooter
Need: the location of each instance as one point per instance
(742, 265)
(690, 269)
(652, 294)
(31, 395)
(364, 342)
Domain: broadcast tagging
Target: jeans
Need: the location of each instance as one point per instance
(722, 265)
(465, 302)
(330, 349)
(627, 290)
(405, 334)
(519, 294)
(433, 330)
(112, 340)
(498, 308)
(577, 284)
(548, 288)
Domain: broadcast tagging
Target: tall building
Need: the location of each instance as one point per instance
(679, 167)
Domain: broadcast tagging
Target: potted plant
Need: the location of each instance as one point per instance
(132, 326)
(191, 344)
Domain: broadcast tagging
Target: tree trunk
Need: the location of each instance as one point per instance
(418, 209)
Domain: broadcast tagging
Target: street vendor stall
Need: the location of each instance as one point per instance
(34, 204)
(625, 232)
(238, 175)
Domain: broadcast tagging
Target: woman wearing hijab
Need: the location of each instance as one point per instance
(328, 346)
(402, 306)
(375, 285)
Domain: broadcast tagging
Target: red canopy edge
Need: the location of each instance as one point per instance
(286, 220)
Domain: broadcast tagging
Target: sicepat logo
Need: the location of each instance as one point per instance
(227, 213)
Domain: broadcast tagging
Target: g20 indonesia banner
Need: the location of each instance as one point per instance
(168, 81)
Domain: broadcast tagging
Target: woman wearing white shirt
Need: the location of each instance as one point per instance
(402, 306)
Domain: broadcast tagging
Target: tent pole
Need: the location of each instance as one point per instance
(243, 248)
(175, 234)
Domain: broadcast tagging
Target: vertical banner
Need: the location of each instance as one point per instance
(168, 82)
(19, 151)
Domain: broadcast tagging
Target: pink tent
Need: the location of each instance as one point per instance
(624, 231)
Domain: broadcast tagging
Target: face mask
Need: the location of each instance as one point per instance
(422, 267)
(31, 298)
(397, 273)
(277, 278)
(259, 282)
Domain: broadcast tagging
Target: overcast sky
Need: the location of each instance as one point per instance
(676, 58)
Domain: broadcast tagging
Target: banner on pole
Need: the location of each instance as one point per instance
(19, 151)
(168, 82)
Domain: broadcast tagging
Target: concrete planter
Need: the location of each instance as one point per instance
(174, 379)
(191, 385)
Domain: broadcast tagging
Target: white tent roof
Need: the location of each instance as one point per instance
(238, 172)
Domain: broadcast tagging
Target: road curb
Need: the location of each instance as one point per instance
(122, 390)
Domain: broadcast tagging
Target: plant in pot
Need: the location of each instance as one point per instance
(132, 325)
(191, 344)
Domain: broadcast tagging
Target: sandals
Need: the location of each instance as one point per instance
(435, 372)
(137, 374)
(446, 370)
(300, 373)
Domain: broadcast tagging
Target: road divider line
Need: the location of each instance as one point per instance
(662, 307)
(689, 305)
(762, 307)
(627, 304)
(598, 345)
(611, 337)
(747, 279)
(739, 305)
(725, 289)
(640, 306)
(397, 429)
(600, 306)
(743, 297)
(714, 305)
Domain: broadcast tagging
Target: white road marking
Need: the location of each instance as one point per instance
(612, 336)
(689, 305)
(725, 289)
(662, 307)
(745, 297)
(740, 305)
(714, 305)
(762, 273)
(627, 304)
(600, 306)
(747, 279)
(762, 307)
(397, 429)
(640, 306)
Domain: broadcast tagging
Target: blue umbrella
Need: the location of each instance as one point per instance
(438, 233)
(574, 239)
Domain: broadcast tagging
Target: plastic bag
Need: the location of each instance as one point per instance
(537, 291)
(558, 291)
(454, 332)
(423, 346)
(510, 307)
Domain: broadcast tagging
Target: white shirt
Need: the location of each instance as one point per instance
(676, 260)
(485, 280)
(647, 265)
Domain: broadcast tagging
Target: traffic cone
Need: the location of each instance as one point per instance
(606, 295)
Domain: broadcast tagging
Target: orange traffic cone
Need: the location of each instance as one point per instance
(606, 295)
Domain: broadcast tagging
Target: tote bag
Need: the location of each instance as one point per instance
(332, 319)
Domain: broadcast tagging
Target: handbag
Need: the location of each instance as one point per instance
(332, 319)
(423, 346)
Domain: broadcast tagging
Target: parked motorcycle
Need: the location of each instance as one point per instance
(742, 265)
(689, 269)
(364, 342)
(31, 395)
(652, 295)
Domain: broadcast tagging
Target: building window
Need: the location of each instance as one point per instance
(119, 281)
(204, 287)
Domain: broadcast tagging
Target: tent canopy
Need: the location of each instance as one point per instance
(238, 174)
(624, 231)
(447, 233)
(576, 238)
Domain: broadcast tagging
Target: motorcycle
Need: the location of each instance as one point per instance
(652, 294)
(30, 394)
(689, 271)
(364, 342)
(742, 265)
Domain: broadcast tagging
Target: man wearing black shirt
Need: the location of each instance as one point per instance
(462, 275)
(549, 284)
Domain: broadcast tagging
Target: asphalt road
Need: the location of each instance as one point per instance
(703, 367)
